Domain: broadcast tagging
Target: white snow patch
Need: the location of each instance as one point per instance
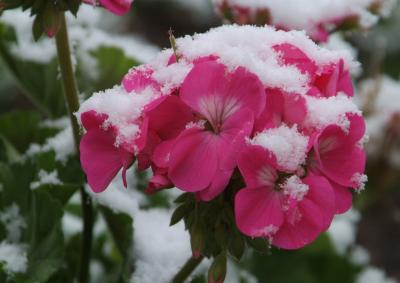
(295, 188)
(122, 110)
(324, 111)
(288, 145)
(14, 257)
(13, 222)
(46, 178)
(343, 230)
(374, 275)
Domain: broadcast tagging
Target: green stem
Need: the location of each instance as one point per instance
(71, 97)
(187, 269)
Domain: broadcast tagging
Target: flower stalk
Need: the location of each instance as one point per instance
(72, 100)
(187, 269)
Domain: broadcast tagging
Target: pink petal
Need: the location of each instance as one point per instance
(193, 160)
(233, 133)
(258, 211)
(118, 7)
(303, 223)
(292, 55)
(169, 116)
(338, 157)
(217, 186)
(92, 120)
(216, 94)
(138, 79)
(343, 198)
(100, 159)
(257, 166)
(281, 107)
(322, 195)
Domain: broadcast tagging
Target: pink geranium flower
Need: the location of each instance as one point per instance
(101, 160)
(204, 155)
(334, 78)
(338, 155)
(281, 107)
(289, 211)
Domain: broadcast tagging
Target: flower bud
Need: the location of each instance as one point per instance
(51, 21)
(217, 271)
(197, 240)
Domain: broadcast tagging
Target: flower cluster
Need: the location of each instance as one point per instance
(318, 20)
(262, 114)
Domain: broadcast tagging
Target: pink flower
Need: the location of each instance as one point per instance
(339, 157)
(288, 210)
(204, 155)
(101, 160)
(281, 107)
(333, 79)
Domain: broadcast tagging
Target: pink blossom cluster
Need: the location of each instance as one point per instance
(268, 109)
(318, 20)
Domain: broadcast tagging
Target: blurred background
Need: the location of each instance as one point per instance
(362, 246)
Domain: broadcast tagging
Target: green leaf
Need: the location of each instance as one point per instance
(237, 245)
(38, 81)
(10, 152)
(121, 228)
(179, 213)
(112, 64)
(259, 244)
(42, 213)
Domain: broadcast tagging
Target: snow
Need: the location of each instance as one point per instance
(380, 99)
(288, 145)
(122, 109)
(14, 257)
(373, 275)
(160, 250)
(295, 188)
(13, 222)
(343, 230)
(240, 46)
(46, 178)
(62, 144)
(84, 33)
(324, 111)
(71, 225)
(359, 180)
(359, 255)
(310, 15)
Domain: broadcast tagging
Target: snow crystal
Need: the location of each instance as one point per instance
(71, 224)
(160, 250)
(343, 230)
(62, 144)
(14, 257)
(60, 123)
(373, 275)
(121, 107)
(84, 34)
(172, 76)
(13, 222)
(359, 255)
(288, 145)
(380, 99)
(46, 178)
(309, 16)
(295, 188)
(359, 180)
(324, 111)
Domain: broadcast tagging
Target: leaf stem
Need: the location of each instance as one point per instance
(72, 100)
(187, 269)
